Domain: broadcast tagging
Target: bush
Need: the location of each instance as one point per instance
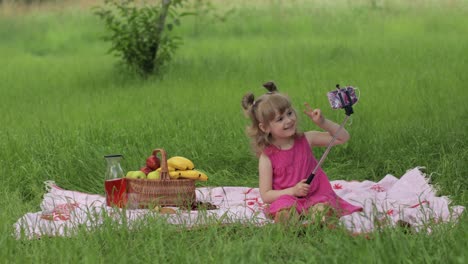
(140, 31)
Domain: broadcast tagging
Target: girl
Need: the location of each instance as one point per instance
(286, 158)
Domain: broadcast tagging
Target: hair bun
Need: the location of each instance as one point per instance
(248, 100)
(270, 86)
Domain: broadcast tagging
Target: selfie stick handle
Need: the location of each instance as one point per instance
(348, 110)
(322, 159)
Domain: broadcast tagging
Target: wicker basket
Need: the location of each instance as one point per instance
(144, 193)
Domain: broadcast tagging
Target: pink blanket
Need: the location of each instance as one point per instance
(411, 199)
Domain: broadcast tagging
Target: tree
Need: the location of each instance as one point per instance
(140, 31)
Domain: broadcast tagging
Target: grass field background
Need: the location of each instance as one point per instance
(65, 104)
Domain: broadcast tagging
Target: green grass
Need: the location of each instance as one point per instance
(64, 105)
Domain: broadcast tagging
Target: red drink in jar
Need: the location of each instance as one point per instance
(116, 194)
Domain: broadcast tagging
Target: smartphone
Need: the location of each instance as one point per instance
(342, 97)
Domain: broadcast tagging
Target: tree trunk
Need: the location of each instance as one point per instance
(160, 28)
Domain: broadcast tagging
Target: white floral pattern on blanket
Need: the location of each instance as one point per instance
(411, 199)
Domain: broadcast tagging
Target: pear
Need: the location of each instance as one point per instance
(154, 175)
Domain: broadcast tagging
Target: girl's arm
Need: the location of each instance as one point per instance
(266, 183)
(317, 138)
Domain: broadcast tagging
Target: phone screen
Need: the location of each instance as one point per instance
(336, 102)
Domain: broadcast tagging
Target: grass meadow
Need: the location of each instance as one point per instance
(65, 104)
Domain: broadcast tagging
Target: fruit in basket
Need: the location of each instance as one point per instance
(191, 174)
(169, 168)
(135, 175)
(171, 171)
(154, 175)
(130, 175)
(153, 162)
(174, 174)
(146, 170)
(139, 175)
(180, 163)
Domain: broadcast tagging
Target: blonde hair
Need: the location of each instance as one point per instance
(264, 110)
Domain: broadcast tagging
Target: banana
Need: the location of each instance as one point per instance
(174, 174)
(180, 163)
(190, 174)
(169, 168)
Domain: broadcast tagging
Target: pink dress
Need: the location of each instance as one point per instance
(291, 166)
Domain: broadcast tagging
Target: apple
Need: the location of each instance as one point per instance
(154, 175)
(146, 170)
(130, 175)
(153, 162)
(139, 175)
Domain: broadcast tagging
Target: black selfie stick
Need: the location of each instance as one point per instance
(348, 110)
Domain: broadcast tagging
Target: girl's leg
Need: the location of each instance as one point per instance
(321, 213)
(287, 216)
(284, 209)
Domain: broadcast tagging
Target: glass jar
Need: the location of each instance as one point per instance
(114, 169)
(115, 183)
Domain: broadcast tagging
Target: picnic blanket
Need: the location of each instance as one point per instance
(391, 200)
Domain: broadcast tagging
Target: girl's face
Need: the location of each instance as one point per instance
(283, 125)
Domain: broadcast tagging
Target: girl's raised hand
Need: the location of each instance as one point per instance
(314, 114)
(301, 189)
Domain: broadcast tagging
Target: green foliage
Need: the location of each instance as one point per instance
(139, 31)
(206, 13)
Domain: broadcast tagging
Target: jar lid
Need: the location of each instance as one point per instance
(113, 156)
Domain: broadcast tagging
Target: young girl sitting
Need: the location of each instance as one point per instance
(286, 158)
